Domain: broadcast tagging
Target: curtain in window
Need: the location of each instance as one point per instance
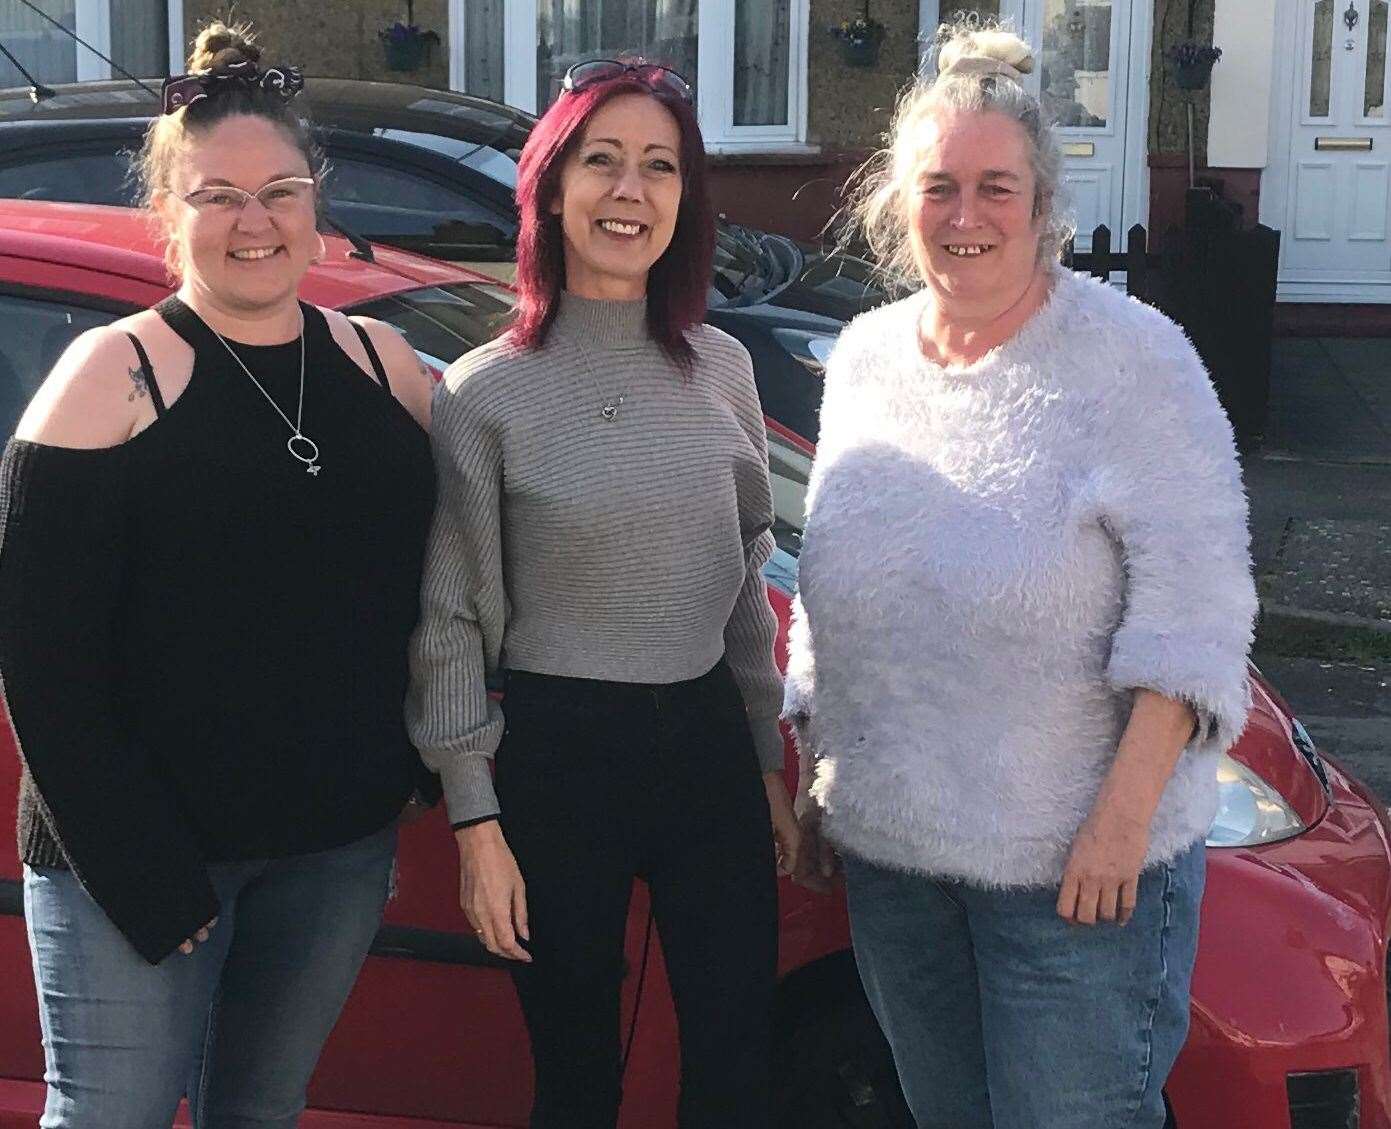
(46, 53)
(483, 48)
(570, 31)
(140, 36)
(762, 34)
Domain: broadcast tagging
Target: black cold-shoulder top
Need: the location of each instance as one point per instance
(203, 645)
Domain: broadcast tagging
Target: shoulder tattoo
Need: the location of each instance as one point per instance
(137, 379)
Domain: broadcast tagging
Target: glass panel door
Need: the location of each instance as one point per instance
(1321, 59)
(1374, 96)
(570, 31)
(140, 36)
(484, 61)
(1076, 82)
(762, 39)
(980, 12)
(45, 52)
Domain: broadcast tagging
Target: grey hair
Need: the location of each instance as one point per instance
(878, 204)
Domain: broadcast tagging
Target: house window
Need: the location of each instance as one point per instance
(745, 59)
(135, 33)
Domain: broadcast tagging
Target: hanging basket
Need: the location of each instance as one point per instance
(859, 53)
(859, 41)
(1191, 76)
(1190, 64)
(405, 54)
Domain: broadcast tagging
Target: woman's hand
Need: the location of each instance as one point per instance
(1102, 875)
(816, 860)
(1103, 870)
(786, 835)
(491, 891)
(198, 938)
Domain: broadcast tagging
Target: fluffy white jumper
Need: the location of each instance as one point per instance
(995, 557)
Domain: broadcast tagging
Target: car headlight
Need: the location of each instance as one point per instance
(812, 348)
(1249, 811)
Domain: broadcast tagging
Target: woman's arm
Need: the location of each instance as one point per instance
(1103, 869)
(1170, 492)
(452, 721)
(62, 554)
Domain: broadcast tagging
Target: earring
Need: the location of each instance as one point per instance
(322, 253)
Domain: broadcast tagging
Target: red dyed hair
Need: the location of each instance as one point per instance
(678, 282)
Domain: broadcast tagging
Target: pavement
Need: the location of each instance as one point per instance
(1320, 493)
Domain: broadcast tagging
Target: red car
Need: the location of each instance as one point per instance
(1289, 1006)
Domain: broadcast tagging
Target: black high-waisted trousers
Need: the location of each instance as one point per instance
(600, 782)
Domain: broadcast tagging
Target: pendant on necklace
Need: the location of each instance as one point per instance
(609, 410)
(308, 454)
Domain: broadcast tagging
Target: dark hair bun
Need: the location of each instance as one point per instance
(219, 46)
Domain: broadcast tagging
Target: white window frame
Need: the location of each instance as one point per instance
(93, 24)
(715, 93)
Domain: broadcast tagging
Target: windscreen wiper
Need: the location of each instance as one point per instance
(361, 248)
(37, 90)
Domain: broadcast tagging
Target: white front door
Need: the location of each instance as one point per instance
(1335, 243)
(1089, 74)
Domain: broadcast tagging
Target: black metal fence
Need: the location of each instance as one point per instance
(1215, 279)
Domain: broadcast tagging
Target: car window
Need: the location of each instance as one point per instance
(33, 334)
(402, 208)
(487, 159)
(79, 178)
(442, 323)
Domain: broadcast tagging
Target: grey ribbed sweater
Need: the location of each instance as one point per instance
(564, 543)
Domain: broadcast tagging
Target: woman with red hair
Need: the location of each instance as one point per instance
(604, 515)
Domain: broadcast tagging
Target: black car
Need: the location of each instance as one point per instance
(433, 171)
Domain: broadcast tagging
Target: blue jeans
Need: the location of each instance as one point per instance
(237, 1026)
(1001, 1015)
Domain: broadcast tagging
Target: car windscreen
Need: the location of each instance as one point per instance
(442, 323)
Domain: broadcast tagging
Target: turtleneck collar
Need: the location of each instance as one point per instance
(601, 321)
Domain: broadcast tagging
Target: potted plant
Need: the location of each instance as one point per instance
(860, 39)
(405, 44)
(1190, 63)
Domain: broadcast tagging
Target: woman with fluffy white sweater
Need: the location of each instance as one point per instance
(1020, 644)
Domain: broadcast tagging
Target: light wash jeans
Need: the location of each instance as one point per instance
(237, 1026)
(1001, 1015)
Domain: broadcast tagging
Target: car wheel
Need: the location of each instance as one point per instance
(834, 1069)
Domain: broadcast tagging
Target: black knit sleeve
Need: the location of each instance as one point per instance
(116, 818)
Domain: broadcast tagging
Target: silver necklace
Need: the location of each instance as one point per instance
(307, 451)
(608, 408)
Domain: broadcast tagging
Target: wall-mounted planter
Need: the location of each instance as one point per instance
(1189, 64)
(405, 54)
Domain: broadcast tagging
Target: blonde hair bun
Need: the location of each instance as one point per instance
(960, 42)
(219, 45)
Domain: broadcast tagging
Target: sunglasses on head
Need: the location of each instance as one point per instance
(583, 75)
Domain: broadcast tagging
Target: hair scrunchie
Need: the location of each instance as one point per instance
(979, 64)
(180, 91)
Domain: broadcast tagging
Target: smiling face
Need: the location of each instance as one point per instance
(620, 190)
(971, 221)
(250, 259)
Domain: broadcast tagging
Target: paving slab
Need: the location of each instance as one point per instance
(1330, 399)
(1336, 566)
